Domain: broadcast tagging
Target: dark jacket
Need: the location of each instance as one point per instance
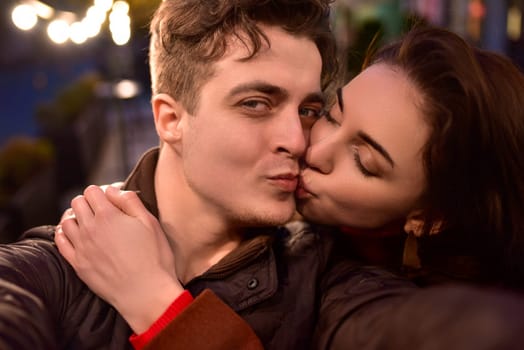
(358, 310)
(278, 281)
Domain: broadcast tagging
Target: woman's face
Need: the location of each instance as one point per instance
(364, 165)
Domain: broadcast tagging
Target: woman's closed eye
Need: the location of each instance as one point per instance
(326, 114)
(364, 168)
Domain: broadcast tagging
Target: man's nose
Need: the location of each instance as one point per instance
(291, 137)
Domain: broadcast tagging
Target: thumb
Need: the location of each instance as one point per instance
(127, 201)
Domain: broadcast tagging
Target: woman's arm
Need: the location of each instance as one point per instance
(120, 251)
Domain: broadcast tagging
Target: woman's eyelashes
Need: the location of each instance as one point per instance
(329, 117)
(358, 161)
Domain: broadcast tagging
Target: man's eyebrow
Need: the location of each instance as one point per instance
(274, 90)
(370, 141)
(315, 97)
(260, 86)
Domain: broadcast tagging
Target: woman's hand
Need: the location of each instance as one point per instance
(119, 250)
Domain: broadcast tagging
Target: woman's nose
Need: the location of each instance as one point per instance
(320, 155)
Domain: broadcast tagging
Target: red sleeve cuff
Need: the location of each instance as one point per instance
(176, 307)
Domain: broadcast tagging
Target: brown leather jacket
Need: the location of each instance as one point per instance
(285, 285)
(324, 301)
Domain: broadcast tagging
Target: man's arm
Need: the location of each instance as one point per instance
(207, 324)
(368, 308)
(119, 249)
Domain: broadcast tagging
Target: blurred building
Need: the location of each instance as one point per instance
(491, 24)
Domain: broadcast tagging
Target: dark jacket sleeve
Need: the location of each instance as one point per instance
(368, 309)
(206, 324)
(25, 321)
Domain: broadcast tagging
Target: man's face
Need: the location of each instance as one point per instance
(241, 147)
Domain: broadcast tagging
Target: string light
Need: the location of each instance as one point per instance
(24, 17)
(66, 26)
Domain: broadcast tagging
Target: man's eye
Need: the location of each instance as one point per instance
(256, 105)
(308, 112)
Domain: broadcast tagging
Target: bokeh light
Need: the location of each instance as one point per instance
(24, 17)
(58, 31)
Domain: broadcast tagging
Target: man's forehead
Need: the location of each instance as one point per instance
(287, 65)
(240, 46)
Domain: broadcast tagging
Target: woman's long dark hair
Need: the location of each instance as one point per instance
(473, 101)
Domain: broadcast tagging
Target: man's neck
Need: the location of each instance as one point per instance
(198, 237)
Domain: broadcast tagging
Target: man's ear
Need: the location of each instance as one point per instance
(168, 115)
(415, 224)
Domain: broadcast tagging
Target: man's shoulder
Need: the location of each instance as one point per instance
(39, 238)
(46, 233)
(33, 253)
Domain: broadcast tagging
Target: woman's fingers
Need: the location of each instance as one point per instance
(62, 241)
(127, 201)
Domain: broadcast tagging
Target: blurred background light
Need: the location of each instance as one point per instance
(96, 14)
(126, 89)
(79, 33)
(104, 5)
(121, 7)
(64, 25)
(92, 27)
(121, 36)
(58, 31)
(24, 17)
(120, 23)
(43, 10)
(514, 23)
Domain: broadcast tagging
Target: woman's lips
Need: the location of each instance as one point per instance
(302, 191)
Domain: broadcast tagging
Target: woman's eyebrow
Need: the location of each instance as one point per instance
(339, 99)
(378, 147)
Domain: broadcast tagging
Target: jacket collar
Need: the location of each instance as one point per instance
(142, 179)
(257, 241)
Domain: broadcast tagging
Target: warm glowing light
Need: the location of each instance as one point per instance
(477, 9)
(96, 15)
(514, 23)
(126, 89)
(58, 31)
(24, 17)
(119, 19)
(91, 26)
(79, 34)
(104, 5)
(121, 37)
(120, 25)
(64, 25)
(42, 10)
(121, 6)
